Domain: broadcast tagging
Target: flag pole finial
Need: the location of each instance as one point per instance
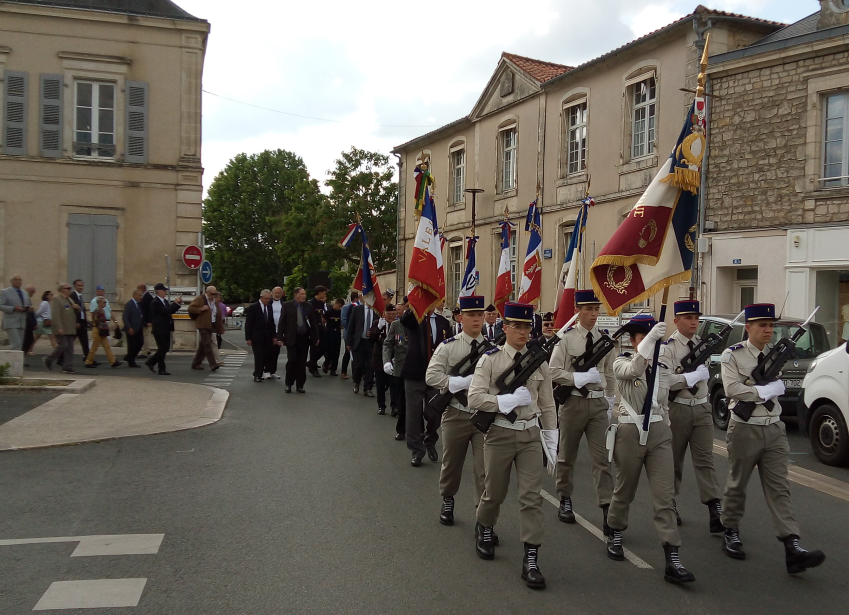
(703, 65)
(587, 192)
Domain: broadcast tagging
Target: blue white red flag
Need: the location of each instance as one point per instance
(531, 285)
(426, 272)
(565, 307)
(366, 278)
(504, 280)
(353, 231)
(470, 277)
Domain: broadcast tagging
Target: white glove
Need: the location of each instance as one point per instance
(388, 369)
(550, 438)
(700, 374)
(591, 376)
(509, 401)
(771, 390)
(646, 347)
(459, 383)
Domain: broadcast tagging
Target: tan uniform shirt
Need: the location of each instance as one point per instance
(671, 354)
(737, 365)
(483, 392)
(574, 344)
(448, 354)
(630, 372)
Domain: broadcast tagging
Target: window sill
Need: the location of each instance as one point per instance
(573, 178)
(639, 164)
(507, 194)
(827, 192)
(457, 206)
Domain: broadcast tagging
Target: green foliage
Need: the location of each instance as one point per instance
(4, 371)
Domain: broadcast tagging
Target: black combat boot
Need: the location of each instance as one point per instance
(614, 546)
(675, 572)
(731, 545)
(565, 513)
(715, 512)
(531, 573)
(485, 547)
(677, 516)
(446, 516)
(604, 527)
(799, 560)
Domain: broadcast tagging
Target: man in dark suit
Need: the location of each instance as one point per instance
(82, 316)
(319, 305)
(422, 340)
(359, 340)
(145, 311)
(162, 325)
(298, 330)
(536, 332)
(134, 327)
(259, 332)
(492, 327)
(276, 306)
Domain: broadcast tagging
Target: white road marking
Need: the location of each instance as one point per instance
(225, 374)
(117, 544)
(629, 555)
(97, 594)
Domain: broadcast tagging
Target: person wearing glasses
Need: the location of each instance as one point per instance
(205, 312)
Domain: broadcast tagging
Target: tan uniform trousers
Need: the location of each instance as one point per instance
(578, 417)
(457, 433)
(149, 342)
(501, 449)
(693, 426)
(764, 447)
(656, 456)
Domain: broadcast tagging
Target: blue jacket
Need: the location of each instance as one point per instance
(133, 318)
(346, 314)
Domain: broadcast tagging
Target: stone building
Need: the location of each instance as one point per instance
(777, 195)
(100, 168)
(613, 119)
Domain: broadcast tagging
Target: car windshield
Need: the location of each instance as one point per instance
(814, 342)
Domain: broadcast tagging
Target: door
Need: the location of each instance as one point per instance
(93, 252)
(746, 287)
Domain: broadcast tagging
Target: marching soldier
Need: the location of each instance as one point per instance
(458, 432)
(519, 443)
(759, 442)
(584, 414)
(630, 455)
(690, 412)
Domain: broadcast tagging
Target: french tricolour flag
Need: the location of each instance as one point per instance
(504, 281)
(426, 272)
(529, 289)
(366, 279)
(565, 307)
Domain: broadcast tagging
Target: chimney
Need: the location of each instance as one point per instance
(833, 13)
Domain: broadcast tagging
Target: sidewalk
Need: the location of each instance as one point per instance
(115, 408)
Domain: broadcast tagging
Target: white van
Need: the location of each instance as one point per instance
(824, 409)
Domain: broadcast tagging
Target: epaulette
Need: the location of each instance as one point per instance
(664, 366)
(737, 347)
(570, 328)
(450, 339)
(493, 350)
(605, 331)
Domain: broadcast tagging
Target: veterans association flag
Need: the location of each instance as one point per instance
(424, 184)
(654, 246)
(426, 272)
(366, 278)
(529, 289)
(470, 277)
(565, 307)
(504, 280)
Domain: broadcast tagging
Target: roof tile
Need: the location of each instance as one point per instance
(538, 69)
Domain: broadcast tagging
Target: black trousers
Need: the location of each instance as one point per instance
(382, 382)
(82, 335)
(417, 438)
(271, 358)
(363, 370)
(401, 401)
(296, 362)
(134, 345)
(29, 336)
(262, 351)
(316, 352)
(163, 344)
(332, 342)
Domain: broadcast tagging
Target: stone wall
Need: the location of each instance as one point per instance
(758, 141)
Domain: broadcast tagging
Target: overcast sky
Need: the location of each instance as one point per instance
(386, 71)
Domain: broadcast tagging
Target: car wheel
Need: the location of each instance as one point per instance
(721, 413)
(829, 436)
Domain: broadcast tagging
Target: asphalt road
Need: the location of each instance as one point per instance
(306, 504)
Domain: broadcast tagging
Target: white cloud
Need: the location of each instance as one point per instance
(651, 18)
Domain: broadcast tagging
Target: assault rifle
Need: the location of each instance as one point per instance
(769, 369)
(439, 401)
(701, 354)
(524, 365)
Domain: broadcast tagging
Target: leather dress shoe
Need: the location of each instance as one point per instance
(531, 574)
(91, 366)
(614, 546)
(199, 368)
(393, 412)
(117, 364)
(288, 389)
(432, 454)
(301, 391)
(381, 411)
(164, 373)
(400, 437)
(564, 512)
(731, 544)
(416, 461)
(150, 366)
(214, 369)
(446, 515)
(133, 365)
(484, 546)
(675, 571)
(314, 373)
(356, 389)
(368, 393)
(257, 379)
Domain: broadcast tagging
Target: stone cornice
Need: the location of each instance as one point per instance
(93, 57)
(102, 16)
(781, 55)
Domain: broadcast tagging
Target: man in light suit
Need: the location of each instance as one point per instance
(359, 340)
(134, 327)
(15, 305)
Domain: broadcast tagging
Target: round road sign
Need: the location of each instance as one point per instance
(192, 257)
(206, 272)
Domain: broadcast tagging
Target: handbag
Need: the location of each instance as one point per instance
(47, 322)
(118, 335)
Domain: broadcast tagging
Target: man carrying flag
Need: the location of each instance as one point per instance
(504, 280)
(426, 272)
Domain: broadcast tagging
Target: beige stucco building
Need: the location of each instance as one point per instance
(613, 119)
(100, 170)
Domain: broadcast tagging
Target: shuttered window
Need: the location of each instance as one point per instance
(93, 251)
(50, 120)
(137, 122)
(15, 113)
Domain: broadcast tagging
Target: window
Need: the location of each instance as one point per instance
(835, 154)
(577, 142)
(458, 165)
(643, 126)
(94, 127)
(746, 286)
(456, 259)
(514, 251)
(508, 159)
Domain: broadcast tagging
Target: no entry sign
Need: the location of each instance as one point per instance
(192, 257)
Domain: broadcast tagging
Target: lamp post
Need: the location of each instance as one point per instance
(474, 192)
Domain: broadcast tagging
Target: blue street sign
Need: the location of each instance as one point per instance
(206, 272)
(547, 253)
(737, 261)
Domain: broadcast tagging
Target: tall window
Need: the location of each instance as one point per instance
(456, 256)
(508, 159)
(513, 261)
(643, 128)
(835, 154)
(577, 115)
(458, 164)
(94, 120)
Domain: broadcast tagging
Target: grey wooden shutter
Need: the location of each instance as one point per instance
(80, 248)
(15, 113)
(50, 124)
(105, 254)
(137, 119)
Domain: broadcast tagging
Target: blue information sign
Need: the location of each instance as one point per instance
(206, 272)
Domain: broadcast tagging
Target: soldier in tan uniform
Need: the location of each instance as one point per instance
(631, 454)
(519, 443)
(760, 442)
(690, 413)
(458, 432)
(584, 414)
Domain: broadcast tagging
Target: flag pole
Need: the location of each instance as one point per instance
(700, 93)
(653, 375)
(580, 273)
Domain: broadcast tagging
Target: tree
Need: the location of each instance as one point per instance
(259, 219)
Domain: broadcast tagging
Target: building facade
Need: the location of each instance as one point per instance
(100, 169)
(777, 195)
(551, 128)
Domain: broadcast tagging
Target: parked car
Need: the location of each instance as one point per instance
(239, 311)
(824, 407)
(813, 343)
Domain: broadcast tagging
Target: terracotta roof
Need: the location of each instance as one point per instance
(148, 8)
(539, 70)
